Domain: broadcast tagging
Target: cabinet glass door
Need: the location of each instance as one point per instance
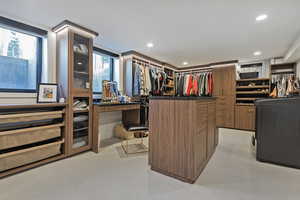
(81, 62)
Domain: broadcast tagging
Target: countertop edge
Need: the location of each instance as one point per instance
(180, 98)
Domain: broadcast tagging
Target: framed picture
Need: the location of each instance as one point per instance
(47, 93)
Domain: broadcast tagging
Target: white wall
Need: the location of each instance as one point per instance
(298, 69)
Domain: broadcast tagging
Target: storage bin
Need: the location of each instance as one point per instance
(122, 133)
(30, 155)
(19, 137)
(26, 117)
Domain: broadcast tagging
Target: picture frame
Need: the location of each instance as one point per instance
(47, 93)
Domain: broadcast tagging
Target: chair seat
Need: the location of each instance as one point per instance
(136, 128)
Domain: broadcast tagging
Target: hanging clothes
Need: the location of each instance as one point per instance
(189, 85)
(195, 84)
(148, 86)
(153, 78)
(136, 79)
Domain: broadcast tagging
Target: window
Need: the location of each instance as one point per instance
(20, 58)
(105, 67)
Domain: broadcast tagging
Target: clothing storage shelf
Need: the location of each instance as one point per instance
(284, 82)
(31, 135)
(146, 76)
(170, 85)
(249, 90)
(74, 75)
(254, 79)
(284, 68)
(253, 87)
(246, 99)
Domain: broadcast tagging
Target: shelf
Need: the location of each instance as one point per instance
(252, 87)
(247, 99)
(81, 54)
(252, 92)
(253, 79)
(244, 104)
(283, 64)
(170, 77)
(81, 129)
(291, 72)
(80, 111)
(81, 73)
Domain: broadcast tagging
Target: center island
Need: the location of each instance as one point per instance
(182, 135)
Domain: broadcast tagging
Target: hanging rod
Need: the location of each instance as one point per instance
(146, 61)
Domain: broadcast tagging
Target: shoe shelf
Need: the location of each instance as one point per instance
(249, 90)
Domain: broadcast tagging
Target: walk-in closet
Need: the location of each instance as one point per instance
(149, 100)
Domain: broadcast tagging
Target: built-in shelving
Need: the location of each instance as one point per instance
(249, 90)
(169, 88)
(75, 50)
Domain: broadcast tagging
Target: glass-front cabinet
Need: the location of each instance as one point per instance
(74, 77)
(81, 62)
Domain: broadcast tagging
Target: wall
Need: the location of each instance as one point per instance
(298, 69)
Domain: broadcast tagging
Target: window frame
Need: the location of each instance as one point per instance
(32, 31)
(111, 55)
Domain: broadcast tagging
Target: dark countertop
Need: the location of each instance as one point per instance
(116, 104)
(276, 100)
(181, 98)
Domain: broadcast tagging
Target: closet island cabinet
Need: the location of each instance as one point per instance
(183, 135)
(74, 77)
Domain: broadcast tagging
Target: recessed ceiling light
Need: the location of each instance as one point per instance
(257, 53)
(261, 17)
(150, 45)
(185, 63)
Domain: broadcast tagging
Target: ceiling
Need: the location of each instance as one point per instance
(196, 31)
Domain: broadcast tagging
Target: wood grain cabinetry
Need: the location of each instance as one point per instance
(182, 135)
(224, 91)
(245, 117)
(30, 135)
(74, 76)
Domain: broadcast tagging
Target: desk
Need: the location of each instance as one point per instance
(130, 115)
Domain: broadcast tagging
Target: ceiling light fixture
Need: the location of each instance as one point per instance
(261, 17)
(185, 63)
(150, 45)
(257, 53)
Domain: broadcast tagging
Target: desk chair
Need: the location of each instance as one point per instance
(140, 132)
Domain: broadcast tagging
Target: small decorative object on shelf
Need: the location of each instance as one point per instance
(110, 91)
(47, 93)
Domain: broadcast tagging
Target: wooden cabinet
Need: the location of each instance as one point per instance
(218, 82)
(182, 136)
(30, 135)
(74, 76)
(224, 91)
(245, 117)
